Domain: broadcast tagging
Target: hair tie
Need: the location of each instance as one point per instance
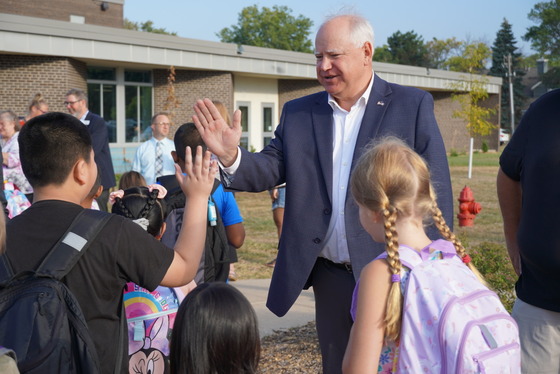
(162, 190)
(142, 222)
(113, 196)
(395, 278)
(466, 259)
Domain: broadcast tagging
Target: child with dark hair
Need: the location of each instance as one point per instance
(225, 234)
(143, 205)
(57, 159)
(148, 329)
(216, 331)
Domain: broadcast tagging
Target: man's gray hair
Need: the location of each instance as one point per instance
(79, 94)
(361, 30)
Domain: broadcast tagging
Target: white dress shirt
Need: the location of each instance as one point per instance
(346, 126)
(145, 159)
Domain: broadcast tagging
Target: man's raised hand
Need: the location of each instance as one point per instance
(221, 139)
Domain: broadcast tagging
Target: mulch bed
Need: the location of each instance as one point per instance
(295, 350)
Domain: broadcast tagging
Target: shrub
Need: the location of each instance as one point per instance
(484, 147)
(492, 260)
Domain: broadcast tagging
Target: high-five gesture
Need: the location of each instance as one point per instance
(221, 139)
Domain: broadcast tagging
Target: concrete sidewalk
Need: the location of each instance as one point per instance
(256, 290)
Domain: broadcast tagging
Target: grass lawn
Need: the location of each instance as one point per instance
(485, 239)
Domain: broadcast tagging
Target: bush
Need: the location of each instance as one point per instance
(484, 147)
(492, 260)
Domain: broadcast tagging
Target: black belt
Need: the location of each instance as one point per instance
(345, 266)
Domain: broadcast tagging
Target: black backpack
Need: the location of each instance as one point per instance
(39, 317)
(214, 265)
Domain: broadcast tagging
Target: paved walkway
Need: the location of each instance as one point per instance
(256, 290)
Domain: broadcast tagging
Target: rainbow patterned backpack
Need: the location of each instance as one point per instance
(452, 323)
(150, 317)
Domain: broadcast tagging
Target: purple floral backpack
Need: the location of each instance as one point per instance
(451, 322)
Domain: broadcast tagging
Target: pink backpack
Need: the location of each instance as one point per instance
(150, 317)
(451, 322)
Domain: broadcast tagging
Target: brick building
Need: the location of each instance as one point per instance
(126, 74)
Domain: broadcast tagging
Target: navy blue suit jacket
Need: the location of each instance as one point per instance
(301, 155)
(100, 141)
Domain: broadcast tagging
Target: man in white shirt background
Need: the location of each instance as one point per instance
(153, 157)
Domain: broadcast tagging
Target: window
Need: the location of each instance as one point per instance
(138, 109)
(107, 86)
(138, 105)
(244, 108)
(102, 97)
(267, 109)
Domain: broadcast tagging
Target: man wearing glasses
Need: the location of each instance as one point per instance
(76, 104)
(153, 157)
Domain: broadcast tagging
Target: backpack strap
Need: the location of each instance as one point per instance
(215, 187)
(411, 258)
(6, 271)
(408, 256)
(72, 245)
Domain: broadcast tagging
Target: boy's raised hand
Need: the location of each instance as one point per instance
(221, 139)
(200, 174)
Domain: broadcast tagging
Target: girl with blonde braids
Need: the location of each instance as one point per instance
(391, 185)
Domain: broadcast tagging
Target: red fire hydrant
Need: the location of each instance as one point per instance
(468, 208)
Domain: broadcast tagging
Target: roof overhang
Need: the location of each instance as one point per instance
(106, 46)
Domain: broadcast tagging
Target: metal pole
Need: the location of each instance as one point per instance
(511, 106)
(471, 150)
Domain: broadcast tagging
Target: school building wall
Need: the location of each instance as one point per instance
(190, 85)
(21, 77)
(61, 10)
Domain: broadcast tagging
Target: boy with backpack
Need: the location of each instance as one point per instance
(225, 231)
(58, 160)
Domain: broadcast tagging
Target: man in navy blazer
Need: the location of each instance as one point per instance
(76, 103)
(317, 142)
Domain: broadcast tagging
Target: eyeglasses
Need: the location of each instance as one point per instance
(163, 123)
(71, 102)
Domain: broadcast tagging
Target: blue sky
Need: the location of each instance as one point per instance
(465, 20)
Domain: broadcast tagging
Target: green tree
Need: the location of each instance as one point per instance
(440, 50)
(147, 26)
(406, 49)
(530, 61)
(504, 45)
(545, 37)
(472, 91)
(382, 54)
(272, 27)
(472, 58)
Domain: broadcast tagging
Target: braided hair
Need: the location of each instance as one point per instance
(140, 202)
(392, 179)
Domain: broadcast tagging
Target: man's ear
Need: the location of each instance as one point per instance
(175, 158)
(80, 172)
(368, 51)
